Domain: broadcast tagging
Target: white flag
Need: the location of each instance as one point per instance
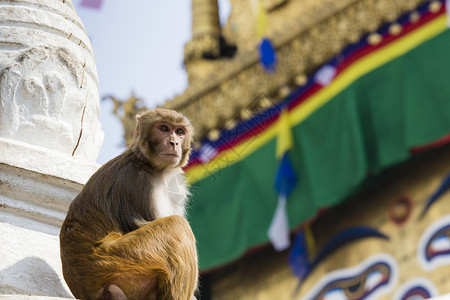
(279, 228)
(447, 10)
(325, 75)
(207, 152)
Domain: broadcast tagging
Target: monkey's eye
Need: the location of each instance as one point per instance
(164, 128)
(180, 131)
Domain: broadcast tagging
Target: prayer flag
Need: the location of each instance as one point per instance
(96, 4)
(285, 181)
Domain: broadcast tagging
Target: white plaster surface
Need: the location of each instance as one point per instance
(30, 263)
(32, 207)
(50, 137)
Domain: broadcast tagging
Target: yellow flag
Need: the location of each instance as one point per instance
(284, 134)
(310, 242)
(261, 20)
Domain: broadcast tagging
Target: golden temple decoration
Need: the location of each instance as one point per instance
(305, 33)
(374, 39)
(127, 111)
(270, 5)
(395, 29)
(435, 6)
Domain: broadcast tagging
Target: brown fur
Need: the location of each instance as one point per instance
(112, 245)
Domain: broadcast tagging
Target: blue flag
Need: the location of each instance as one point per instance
(267, 55)
(285, 179)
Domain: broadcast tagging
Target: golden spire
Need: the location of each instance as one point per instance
(205, 18)
(205, 42)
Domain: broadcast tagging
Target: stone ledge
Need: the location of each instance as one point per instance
(44, 161)
(30, 263)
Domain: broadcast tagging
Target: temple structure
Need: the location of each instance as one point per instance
(322, 164)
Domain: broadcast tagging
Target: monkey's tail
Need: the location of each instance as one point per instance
(163, 283)
(157, 284)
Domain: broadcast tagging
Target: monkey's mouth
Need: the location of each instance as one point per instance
(170, 154)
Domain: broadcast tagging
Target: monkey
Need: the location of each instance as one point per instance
(125, 235)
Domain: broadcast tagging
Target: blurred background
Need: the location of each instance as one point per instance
(321, 167)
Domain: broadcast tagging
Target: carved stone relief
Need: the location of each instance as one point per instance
(48, 80)
(43, 101)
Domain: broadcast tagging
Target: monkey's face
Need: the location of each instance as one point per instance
(164, 137)
(170, 139)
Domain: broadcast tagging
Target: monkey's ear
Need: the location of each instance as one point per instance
(138, 125)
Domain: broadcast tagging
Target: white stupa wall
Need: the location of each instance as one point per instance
(48, 80)
(50, 137)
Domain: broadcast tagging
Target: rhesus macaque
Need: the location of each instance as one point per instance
(125, 235)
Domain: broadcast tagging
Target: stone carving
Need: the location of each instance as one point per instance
(48, 80)
(43, 102)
